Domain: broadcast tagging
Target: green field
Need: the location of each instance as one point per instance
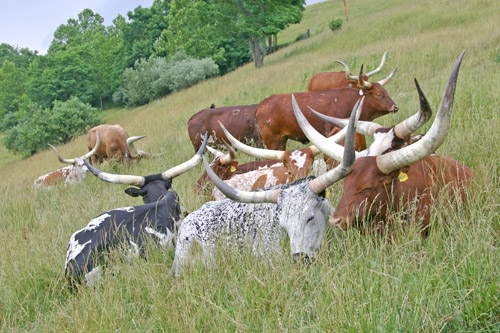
(449, 281)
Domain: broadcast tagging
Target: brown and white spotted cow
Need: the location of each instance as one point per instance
(75, 172)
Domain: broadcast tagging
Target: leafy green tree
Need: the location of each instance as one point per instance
(38, 126)
(143, 29)
(12, 87)
(22, 58)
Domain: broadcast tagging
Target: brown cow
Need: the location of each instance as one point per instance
(388, 139)
(409, 177)
(115, 143)
(277, 124)
(332, 80)
(240, 120)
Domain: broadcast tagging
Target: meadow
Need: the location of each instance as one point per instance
(449, 281)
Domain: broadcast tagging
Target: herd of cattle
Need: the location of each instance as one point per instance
(255, 204)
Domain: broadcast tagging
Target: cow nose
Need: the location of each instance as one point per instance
(338, 223)
(395, 108)
(304, 257)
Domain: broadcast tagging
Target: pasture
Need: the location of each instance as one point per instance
(449, 281)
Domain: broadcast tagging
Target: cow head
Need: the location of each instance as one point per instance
(223, 165)
(388, 139)
(152, 187)
(303, 208)
(371, 188)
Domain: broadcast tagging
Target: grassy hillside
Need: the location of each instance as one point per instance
(449, 281)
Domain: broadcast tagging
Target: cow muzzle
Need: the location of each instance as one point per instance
(304, 258)
(339, 223)
(394, 109)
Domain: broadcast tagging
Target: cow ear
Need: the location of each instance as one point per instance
(135, 192)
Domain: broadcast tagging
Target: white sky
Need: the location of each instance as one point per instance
(32, 23)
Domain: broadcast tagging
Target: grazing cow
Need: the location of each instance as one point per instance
(259, 219)
(410, 176)
(73, 173)
(277, 124)
(240, 120)
(294, 165)
(333, 80)
(115, 143)
(388, 139)
(156, 220)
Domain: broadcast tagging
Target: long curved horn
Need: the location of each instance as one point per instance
(223, 158)
(379, 68)
(362, 127)
(406, 128)
(238, 195)
(319, 184)
(188, 165)
(348, 74)
(268, 154)
(383, 82)
(140, 181)
(435, 136)
(73, 160)
(361, 82)
(333, 150)
(130, 144)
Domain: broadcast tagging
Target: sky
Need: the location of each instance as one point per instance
(32, 23)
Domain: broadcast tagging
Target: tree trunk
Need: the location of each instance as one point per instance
(258, 49)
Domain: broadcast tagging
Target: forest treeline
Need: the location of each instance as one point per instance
(155, 51)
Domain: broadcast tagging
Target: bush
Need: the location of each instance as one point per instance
(335, 24)
(156, 77)
(38, 126)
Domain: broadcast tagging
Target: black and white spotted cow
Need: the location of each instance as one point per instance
(156, 220)
(387, 139)
(259, 219)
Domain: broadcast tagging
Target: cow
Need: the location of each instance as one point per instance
(240, 120)
(294, 164)
(155, 221)
(275, 114)
(226, 167)
(259, 219)
(388, 139)
(115, 143)
(332, 80)
(408, 178)
(73, 173)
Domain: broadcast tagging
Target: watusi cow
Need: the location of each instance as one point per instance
(388, 139)
(410, 177)
(115, 143)
(277, 124)
(260, 219)
(240, 120)
(156, 220)
(332, 80)
(73, 173)
(294, 164)
(226, 167)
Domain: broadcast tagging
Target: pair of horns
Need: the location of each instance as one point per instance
(130, 144)
(316, 185)
(431, 141)
(223, 158)
(140, 181)
(402, 130)
(366, 84)
(73, 160)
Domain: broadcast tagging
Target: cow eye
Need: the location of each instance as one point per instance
(310, 219)
(368, 189)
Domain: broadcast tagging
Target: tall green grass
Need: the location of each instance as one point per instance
(448, 281)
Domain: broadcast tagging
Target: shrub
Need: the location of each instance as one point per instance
(156, 77)
(335, 24)
(38, 126)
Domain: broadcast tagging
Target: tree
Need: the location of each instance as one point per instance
(20, 57)
(12, 87)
